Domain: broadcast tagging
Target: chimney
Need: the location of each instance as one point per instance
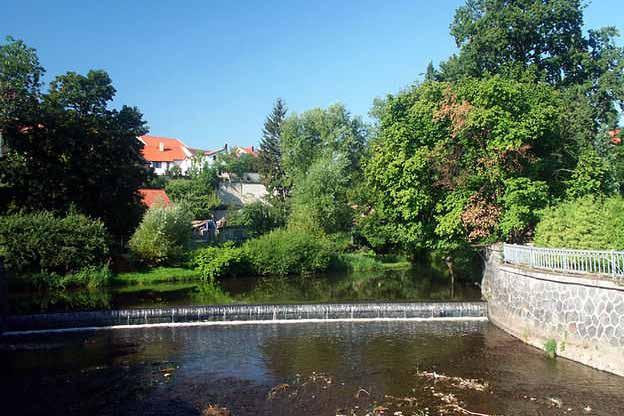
(252, 149)
(161, 146)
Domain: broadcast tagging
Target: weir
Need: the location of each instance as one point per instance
(237, 313)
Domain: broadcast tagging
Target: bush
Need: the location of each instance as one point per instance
(163, 235)
(585, 223)
(289, 251)
(90, 277)
(258, 218)
(42, 243)
(357, 262)
(197, 193)
(215, 262)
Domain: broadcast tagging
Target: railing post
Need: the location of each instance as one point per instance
(613, 264)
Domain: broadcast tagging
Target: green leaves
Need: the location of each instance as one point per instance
(584, 223)
(463, 163)
(74, 148)
(163, 235)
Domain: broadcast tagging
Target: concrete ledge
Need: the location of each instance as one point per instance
(569, 279)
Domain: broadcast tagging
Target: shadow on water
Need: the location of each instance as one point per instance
(417, 284)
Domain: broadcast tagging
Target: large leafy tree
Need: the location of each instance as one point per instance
(322, 153)
(320, 133)
(66, 147)
(462, 163)
(546, 38)
(270, 153)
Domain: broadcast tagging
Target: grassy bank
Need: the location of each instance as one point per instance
(157, 275)
(350, 262)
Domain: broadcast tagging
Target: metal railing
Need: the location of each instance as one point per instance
(609, 263)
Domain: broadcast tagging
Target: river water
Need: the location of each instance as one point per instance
(431, 367)
(416, 284)
(327, 368)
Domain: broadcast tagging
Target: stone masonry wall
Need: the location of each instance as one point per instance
(584, 315)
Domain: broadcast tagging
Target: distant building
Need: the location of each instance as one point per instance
(151, 197)
(250, 150)
(163, 153)
(210, 156)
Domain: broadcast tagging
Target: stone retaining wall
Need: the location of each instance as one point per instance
(584, 315)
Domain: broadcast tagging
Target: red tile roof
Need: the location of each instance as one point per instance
(250, 150)
(173, 149)
(151, 197)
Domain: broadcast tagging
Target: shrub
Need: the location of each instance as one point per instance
(550, 346)
(258, 218)
(197, 193)
(163, 235)
(585, 223)
(90, 277)
(42, 243)
(215, 262)
(289, 251)
(357, 262)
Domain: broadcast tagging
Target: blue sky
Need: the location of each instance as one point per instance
(208, 72)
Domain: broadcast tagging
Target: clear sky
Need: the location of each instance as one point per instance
(208, 72)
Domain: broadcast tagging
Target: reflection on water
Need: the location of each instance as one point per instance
(392, 285)
(299, 369)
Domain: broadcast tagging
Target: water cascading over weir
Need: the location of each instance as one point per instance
(231, 314)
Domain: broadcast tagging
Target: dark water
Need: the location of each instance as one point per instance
(393, 285)
(357, 368)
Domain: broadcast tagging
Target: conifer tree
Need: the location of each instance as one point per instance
(270, 153)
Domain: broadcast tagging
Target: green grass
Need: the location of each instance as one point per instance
(399, 265)
(364, 262)
(156, 275)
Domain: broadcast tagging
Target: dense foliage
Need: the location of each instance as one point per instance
(270, 153)
(289, 251)
(65, 147)
(42, 243)
(547, 39)
(216, 262)
(463, 162)
(163, 235)
(197, 192)
(258, 218)
(585, 223)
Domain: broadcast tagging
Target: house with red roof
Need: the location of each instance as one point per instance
(151, 197)
(250, 150)
(163, 153)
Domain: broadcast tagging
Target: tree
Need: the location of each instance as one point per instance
(545, 38)
(454, 163)
(66, 148)
(197, 192)
(321, 133)
(270, 154)
(320, 201)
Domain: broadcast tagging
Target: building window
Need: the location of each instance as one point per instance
(156, 165)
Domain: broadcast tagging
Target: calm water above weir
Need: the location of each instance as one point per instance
(330, 368)
(394, 285)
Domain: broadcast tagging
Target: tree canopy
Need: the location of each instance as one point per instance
(464, 162)
(66, 147)
(270, 153)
